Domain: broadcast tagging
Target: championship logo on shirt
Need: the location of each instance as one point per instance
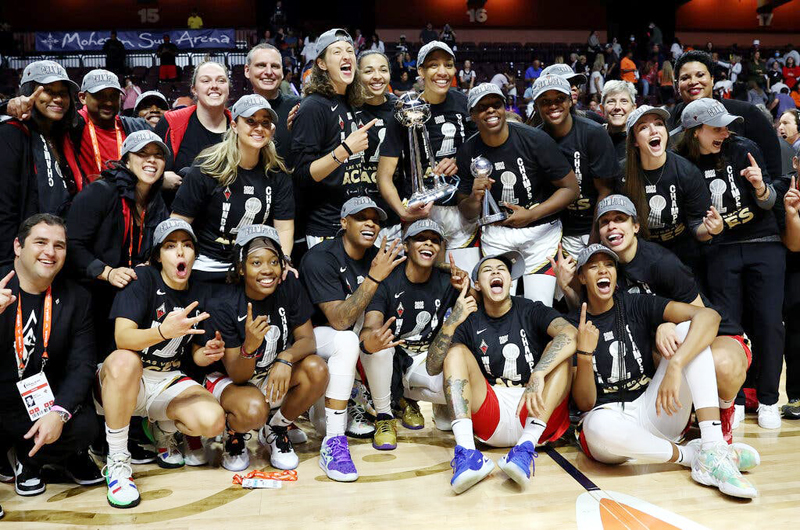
(400, 309)
(160, 312)
(227, 193)
(484, 347)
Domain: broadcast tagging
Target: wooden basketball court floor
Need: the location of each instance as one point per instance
(409, 488)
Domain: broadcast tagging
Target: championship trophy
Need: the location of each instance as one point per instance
(412, 112)
(481, 168)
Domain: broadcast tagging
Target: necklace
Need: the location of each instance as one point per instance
(652, 186)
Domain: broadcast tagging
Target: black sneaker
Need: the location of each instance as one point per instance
(791, 411)
(6, 470)
(140, 454)
(82, 469)
(99, 447)
(28, 480)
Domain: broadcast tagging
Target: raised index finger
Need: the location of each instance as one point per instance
(752, 160)
(583, 314)
(249, 312)
(387, 324)
(36, 94)
(464, 290)
(5, 280)
(188, 309)
(370, 124)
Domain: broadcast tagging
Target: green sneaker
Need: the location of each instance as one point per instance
(122, 492)
(716, 466)
(744, 456)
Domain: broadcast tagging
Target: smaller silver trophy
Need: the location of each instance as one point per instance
(412, 112)
(481, 167)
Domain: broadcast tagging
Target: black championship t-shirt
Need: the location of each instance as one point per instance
(419, 308)
(195, 139)
(219, 211)
(589, 150)
(329, 274)
(623, 361)
(620, 141)
(524, 167)
(733, 196)
(320, 126)
(286, 309)
(507, 348)
(678, 202)
(147, 302)
(384, 113)
(448, 128)
(657, 270)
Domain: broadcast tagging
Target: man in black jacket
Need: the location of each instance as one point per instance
(694, 79)
(115, 54)
(47, 356)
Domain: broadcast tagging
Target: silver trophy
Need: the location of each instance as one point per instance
(481, 167)
(412, 112)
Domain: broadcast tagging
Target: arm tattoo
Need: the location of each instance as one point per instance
(437, 352)
(454, 393)
(349, 310)
(533, 386)
(553, 350)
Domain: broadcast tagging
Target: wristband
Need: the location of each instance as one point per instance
(762, 195)
(284, 361)
(288, 259)
(159, 332)
(244, 355)
(336, 159)
(373, 279)
(347, 148)
(588, 354)
(362, 348)
(64, 413)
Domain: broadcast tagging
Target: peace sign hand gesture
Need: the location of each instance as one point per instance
(564, 267)
(465, 305)
(6, 297)
(178, 322)
(381, 338)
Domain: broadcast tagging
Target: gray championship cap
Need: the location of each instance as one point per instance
(329, 37)
(563, 70)
(512, 258)
(98, 80)
(248, 233)
(593, 249)
(551, 82)
(150, 94)
(615, 203)
(136, 141)
(423, 225)
(639, 112)
(166, 227)
(248, 105)
(429, 48)
(357, 204)
(46, 72)
(705, 111)
(481, 91)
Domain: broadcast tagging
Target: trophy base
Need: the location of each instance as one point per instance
(491, 219)
(432, 195)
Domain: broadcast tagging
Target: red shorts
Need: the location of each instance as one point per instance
(485, 422)
(167, 71)
(745, 346)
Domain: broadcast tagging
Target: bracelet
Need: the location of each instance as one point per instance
(347, 148)
(159, 332)
(64, 413)
(336, 159)
(284, 361)
(373, 279)
(288, 260)
(588, 354)
(363, 349)
(762, 195)
(244, 355)
(108, 276)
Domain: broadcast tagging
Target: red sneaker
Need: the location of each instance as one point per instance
(750, 400)
(726, 417)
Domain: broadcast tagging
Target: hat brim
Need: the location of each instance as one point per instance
(96, 89)
(723, 120)
(54, 79)
(412, 233)
(421, 59)
(141, 145)
(542, 90)
(361, 208)
(512, 258)
(603, 250)
(663, 113)
(491, 93)
(188, 230)
(149, 98)
(577, 79)
(249, 113)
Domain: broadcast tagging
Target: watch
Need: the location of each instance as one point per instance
(65, 416)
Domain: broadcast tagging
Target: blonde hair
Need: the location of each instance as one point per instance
(221, 161)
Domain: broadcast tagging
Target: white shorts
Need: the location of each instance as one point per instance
(420, 386)
(537, 244)
(574, 244)
(156, 392)
(217, 382)
(459, 232)
(509, 428)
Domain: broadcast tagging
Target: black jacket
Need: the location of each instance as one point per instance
(96, 224)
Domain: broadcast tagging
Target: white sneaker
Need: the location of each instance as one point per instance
(195, 453)
(234, 454)
(716, 467)
(738, 416)
(442, 417)
(122, 492)
(769, 416)
(279, 447)
(167, 447)
(297, 435)
(358, 422)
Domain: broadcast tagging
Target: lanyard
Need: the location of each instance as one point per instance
(96, 146)
(126, 213)
(19, 340)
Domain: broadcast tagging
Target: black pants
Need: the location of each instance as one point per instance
(751, 276)
(78, 432)
(791, 316)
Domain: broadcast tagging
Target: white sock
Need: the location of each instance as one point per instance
(710, 432)
(117, 440)
(724, 404)
(686, 455)
(279, 420)
(462, 430)
(335, 422)
(534, 429)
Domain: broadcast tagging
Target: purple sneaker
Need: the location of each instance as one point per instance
(335, 460)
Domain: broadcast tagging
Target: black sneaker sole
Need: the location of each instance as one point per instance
(84, 482)
(165, 465)
(359, 436)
